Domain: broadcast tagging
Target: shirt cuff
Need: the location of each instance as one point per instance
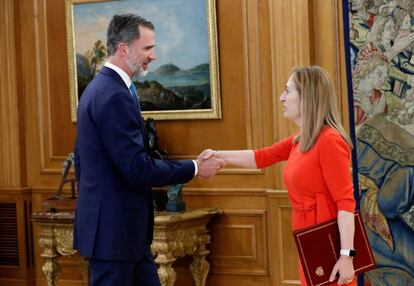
(195, 168)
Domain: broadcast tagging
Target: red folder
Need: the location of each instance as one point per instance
(319, 247)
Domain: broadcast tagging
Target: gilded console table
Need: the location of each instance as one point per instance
(179, 234)
(56, 239)
(175, 235)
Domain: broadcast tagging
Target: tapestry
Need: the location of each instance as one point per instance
(380, 41)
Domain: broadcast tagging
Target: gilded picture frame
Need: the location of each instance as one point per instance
(187, 65)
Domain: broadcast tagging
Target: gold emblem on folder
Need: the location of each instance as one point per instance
(319, 271)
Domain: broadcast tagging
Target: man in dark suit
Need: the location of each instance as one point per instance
(114, 215)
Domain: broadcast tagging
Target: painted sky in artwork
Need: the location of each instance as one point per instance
(180, 28)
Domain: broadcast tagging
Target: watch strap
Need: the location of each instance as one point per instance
(348, 252)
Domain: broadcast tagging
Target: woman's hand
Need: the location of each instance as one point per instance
(239, 158)
(208, 153)
(345, 268)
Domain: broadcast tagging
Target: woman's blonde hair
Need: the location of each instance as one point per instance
(318, 105)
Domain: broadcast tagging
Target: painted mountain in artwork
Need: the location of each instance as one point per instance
(172, 88)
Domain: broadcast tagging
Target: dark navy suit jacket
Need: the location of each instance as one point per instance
(114, 214)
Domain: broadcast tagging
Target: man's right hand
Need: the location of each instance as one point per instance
(208, 168)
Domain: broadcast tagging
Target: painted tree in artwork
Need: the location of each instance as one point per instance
(88, 64)
(96, 56)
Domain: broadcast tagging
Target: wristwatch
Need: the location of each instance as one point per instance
(348, 252)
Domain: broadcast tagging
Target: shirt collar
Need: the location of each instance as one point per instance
(122, 74)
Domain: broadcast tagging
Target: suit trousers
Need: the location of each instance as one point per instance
(124, 273)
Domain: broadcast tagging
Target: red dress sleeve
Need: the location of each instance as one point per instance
(335, 161)
(270, 155)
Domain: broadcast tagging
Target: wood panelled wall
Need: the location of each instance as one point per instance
(259, 42)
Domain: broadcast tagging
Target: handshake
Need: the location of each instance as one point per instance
(209, 162)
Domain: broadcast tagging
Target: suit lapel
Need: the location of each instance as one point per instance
(110, 72)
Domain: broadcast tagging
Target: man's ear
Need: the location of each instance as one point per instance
(122, 49)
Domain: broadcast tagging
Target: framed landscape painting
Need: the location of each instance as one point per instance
(182, 83)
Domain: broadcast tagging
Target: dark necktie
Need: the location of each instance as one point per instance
(134, 93)
(133, 90)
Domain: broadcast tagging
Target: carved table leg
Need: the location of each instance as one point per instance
(165, 259)
(84, 269)
(50, 269)
(200, 267)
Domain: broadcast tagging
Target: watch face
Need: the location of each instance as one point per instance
(352, 253)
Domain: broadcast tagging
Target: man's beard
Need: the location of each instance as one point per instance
(135, 68)
(142, 72)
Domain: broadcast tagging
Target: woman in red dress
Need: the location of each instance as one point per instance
(317, 171)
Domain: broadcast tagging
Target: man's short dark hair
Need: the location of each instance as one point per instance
(124, 29)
